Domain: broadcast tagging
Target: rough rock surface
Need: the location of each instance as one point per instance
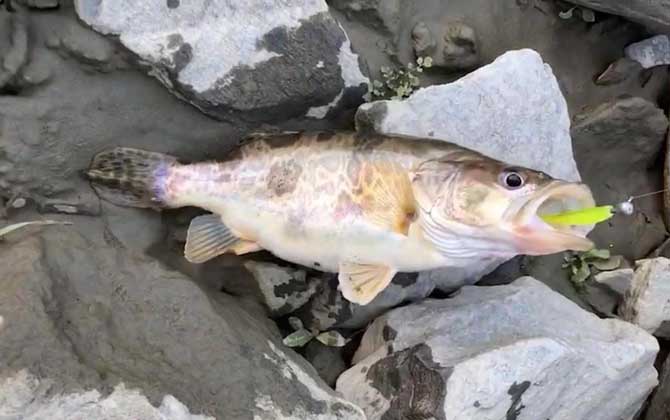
(452, 45)
(519, 107)
(519, 351)
(647, 302)
(328, 361)
(654, 51)
(618, 143)
(283, 289)
(83, 312)
(329, 309)
(263, 60)
(618, 71)
(655, 13)
(23, 397)
(659, 407)
(380, 14)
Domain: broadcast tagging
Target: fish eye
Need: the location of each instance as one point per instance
(511, 180)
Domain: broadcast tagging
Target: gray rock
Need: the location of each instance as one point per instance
(651, 52)
(329, 309)
(14, 55)
(283, 289)
(618, 281)
(44, 146)
(380, 14)
(519, 351)
(259, 60)
(647, 302)
(659, 406)
(654, 14)
(328, 361)
(618, 71)
(40, 4)
(84, 314)
(451, 45)
(617, 143)
(23, 397)
(513, 104)
(87, 47)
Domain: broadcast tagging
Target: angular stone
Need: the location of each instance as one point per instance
(511, 105)
(647, 302)
(283, 289)
(651, 52)
(86, 314)
(655, 14)
(516, 351)
(24, 396)
(262, 60)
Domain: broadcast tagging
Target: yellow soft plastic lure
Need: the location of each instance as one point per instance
(588, 216)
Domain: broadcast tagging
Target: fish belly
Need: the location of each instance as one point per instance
(322, 244)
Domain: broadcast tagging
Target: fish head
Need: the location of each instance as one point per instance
(482, 207)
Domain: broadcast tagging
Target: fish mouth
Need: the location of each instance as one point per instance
(534, 236)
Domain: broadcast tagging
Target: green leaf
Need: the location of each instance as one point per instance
(298, 338)
(581, 275)
(611, 263)
(602, 254)
(10, 228)
(332, 339)
(377, 84)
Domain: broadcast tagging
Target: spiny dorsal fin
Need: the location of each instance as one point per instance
(207, 238)
(360, 283)
(385, 195)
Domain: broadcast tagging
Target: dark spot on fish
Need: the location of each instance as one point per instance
(316, 264)
(516, 391)
(172, 4)
(476, 404)
(182, 57)
(283, 177)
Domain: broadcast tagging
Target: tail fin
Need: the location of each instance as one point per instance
(131, 177)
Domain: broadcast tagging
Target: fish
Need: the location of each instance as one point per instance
(363, 205)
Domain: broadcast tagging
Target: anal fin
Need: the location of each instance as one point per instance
(208, 238)
(360, 283)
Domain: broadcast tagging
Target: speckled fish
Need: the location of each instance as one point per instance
(364, 205)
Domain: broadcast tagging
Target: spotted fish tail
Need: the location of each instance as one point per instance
(131, 177)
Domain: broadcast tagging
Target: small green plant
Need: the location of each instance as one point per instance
(581, 264)
(399, 83)
(301, 336)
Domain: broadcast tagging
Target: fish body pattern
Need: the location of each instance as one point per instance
(364, 205)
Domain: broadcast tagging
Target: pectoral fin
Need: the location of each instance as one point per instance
(385, 195)
(208, 238)
(360, 283)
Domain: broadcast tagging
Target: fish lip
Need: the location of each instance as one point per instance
(536, 237)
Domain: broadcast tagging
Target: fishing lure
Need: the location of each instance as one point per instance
(593, 215)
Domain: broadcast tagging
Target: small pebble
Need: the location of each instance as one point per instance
(19, 203)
